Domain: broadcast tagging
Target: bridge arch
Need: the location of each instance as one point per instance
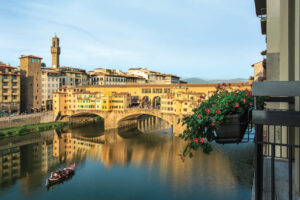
(132, 115)
(112, 119)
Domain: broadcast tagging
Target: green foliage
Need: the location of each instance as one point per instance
(26, 129)
(200, 127)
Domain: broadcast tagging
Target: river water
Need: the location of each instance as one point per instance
(128, 163)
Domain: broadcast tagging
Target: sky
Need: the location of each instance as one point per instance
(190, 38)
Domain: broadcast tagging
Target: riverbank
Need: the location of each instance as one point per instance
(26, 129)
(34, 128)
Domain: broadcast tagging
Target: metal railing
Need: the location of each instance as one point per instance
(275, 138)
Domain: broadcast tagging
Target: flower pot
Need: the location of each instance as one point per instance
(232, 131)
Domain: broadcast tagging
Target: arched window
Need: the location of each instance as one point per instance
(53, 43)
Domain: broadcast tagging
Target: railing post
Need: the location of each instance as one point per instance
(259, 162)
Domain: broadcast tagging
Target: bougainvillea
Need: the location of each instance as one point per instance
(200, 127)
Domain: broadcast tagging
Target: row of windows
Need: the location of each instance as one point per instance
(36, 60)
(6, 97)
(51, 79)
(49, 85)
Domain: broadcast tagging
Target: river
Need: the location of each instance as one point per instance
(127, 163)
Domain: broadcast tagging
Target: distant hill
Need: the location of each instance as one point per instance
(200, 80)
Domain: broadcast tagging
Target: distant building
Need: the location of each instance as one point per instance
(73, 76)
(9, 89)
(31, 83)
(154, 77)
(55, 52)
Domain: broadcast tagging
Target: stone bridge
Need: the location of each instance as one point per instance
(112, 119)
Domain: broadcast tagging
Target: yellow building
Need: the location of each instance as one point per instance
(115, 101)
(9, 89)
(31, 83)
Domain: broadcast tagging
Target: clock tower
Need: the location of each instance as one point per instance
(55, 51)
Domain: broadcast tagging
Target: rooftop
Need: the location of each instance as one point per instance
(29, 56)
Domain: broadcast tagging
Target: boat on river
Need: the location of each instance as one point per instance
(61, 175)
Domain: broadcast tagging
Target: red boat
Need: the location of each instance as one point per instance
(61, 175)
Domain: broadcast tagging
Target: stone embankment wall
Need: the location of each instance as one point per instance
(79, 120)
(21, 120)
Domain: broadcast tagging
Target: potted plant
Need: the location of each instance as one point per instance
(223, 117)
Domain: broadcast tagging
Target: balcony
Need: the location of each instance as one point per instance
(14, 80)
(15, 87)
(5, 86)
(277, 141)
(5, 80)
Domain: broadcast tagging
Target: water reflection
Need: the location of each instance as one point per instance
(29, 159)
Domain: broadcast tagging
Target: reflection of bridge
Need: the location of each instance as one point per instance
(112, 119)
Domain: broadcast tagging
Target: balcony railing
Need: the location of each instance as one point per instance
(275, 144)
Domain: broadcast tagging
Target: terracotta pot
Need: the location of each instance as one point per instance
(232, 131)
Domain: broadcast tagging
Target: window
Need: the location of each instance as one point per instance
(37, 60)
(31, 60)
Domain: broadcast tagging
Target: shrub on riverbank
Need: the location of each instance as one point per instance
(26, 129)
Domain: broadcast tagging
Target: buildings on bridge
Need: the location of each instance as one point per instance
(69, 98)
(181, 101)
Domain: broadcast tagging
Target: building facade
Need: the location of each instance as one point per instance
(31, 83)
(9, 90)
(259, 71)
(50, 84)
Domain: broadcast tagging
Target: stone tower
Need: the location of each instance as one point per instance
(31, 83)
(55, 51)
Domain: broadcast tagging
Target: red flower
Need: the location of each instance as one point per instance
(233, 94)
(226, 103)
(251, 104)
(207, 110)
(217, 111)
(198, 116)
(201, 140)
(250, 93)
(237, 105)
(212, 124)
(195, 140)
(227, 94)
(224, 84)
(247, 93)
(244, 100)
(212, 104)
